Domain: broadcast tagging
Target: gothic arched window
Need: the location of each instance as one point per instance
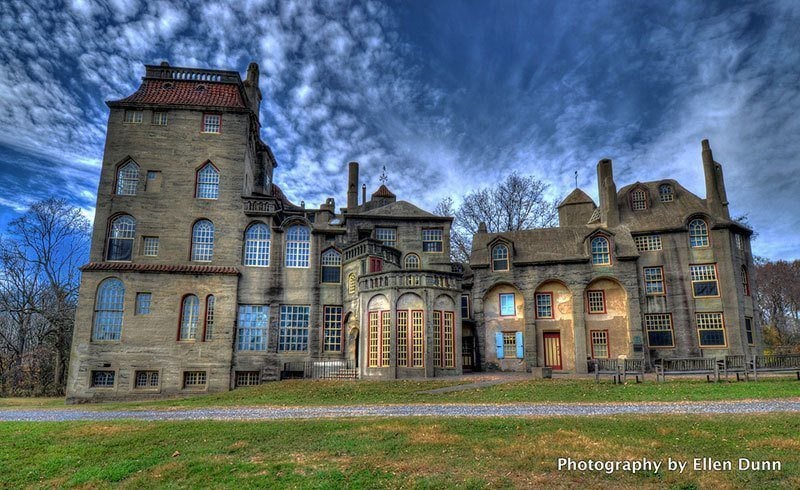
(127, 179)
(500, 258)
(207, 182)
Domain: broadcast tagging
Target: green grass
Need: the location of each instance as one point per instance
(320, 393)
(393, 453)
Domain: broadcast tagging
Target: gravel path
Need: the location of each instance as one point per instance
(455, 410)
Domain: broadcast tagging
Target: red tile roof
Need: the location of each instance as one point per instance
(383, 191)
(194, 93)
(180, 269)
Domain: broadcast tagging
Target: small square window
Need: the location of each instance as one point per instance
(211, 123)
(247, 378)
(150, 246)
(507, 306)
(159, 118)
(143, 303)
(145, 380)
(103, 379)
(194, 379)
(133, 117)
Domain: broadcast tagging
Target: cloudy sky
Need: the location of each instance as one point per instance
(449, 96)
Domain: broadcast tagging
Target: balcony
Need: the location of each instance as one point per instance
(410, 279)
(259, 206)
(372, 248)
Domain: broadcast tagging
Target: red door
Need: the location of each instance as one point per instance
(552, 350)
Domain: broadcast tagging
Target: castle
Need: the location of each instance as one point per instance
(204, 277)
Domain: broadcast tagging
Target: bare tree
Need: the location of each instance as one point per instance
(778, 296)
(517, 203)
(40, 278)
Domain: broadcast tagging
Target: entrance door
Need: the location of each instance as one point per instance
(468, 353)
(552, 350)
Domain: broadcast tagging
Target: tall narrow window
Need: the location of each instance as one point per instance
(331, 266)
(208, 330)
(387, 235)
(298, 246)
(600, 251)
(332, 317)
(748, 330)
(256, 245)
(412, 261)
(108, 310)
(373, 339)
(449, 339)
(599, 344)
(190, 317)
(466, 311)
(402, 338)
(500, 258)
(432, 240)
(639, 199)
(417, 338)
(437, 339)
(351, 284)
(251, 327)
(665, 193)
(375, 264)
(294, 328)
(544, 305)
(150, 246)
(745, 281)
(212, 123)
(698, 233)
(127, 179)
(143, 301)
(203, 241)
(120, 238)
(654, 280)
(386, 330)
(207, 182)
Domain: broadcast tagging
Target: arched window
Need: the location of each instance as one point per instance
(638, 199)
(256, 245)
(500, 258)
(745, 281)
(203, 241)
(600, 251)
(698, 233)
(190, 317)
(108, 309)
(351, 283)
(665, 193)
(120, 238)
(208, 330)
(298, 246)
(127, 179)
(412, 261)
(331, 266)
(207, 182)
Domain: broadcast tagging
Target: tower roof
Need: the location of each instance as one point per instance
(576, 197)
(383, 191)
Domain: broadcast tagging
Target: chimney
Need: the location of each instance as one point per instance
(352, 185)
(716, 196)
(251, 88)
(363, 193)
(609, 213)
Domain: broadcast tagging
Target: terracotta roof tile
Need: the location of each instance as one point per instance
(383, 191)
(180, 269)
(194, 93)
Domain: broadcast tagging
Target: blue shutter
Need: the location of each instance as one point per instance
(498, 339)
(520, 349)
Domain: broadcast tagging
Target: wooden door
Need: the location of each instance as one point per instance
(552, 350)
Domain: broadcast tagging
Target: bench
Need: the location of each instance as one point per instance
(687, 366)
(788, 363)
(737, 365)
(619, 369)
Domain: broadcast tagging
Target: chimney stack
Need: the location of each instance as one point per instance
(251, 88)
(352, 186)
(609, 213)
(363, 193)
(716, 196)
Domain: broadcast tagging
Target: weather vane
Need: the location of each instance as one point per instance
(383, 178)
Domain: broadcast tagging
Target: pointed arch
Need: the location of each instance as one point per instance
(127, 178)
(207, 181)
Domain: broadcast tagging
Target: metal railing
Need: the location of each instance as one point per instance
(327, 369)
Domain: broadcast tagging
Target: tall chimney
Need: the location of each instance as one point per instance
(251, 88)
(716, 196)
(352, 185)
(363, 193)
(609, 213)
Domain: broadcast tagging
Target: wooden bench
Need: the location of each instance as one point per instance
(687, 366)
(619, 369)
(788, 363)
(736, 364)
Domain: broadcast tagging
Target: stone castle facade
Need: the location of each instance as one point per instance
(204, 277)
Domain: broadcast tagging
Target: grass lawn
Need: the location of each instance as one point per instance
(395, 453)
(317, 393)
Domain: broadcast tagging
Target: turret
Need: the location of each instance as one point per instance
(716, 197)
(352, 186)
(607, 189)
(251, 88)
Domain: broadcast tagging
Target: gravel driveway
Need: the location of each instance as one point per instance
(448, 410)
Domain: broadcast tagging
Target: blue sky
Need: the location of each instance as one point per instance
(449, 96)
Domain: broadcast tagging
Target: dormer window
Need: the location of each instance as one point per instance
(666, 193)
(500, 257)
(601, 254)
(638, 200)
